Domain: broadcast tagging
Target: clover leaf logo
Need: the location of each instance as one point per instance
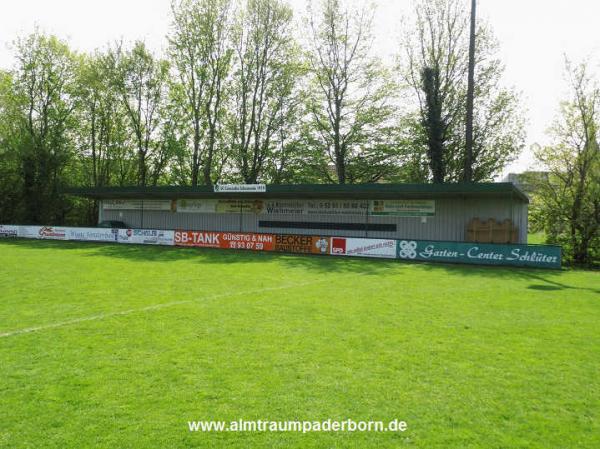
(408, 250)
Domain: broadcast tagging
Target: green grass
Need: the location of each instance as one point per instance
(536, 238)
(469, 357)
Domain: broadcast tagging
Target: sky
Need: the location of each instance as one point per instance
(534, 36)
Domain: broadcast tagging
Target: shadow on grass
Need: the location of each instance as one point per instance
(543, 280)
(151, 253)
(548, 288)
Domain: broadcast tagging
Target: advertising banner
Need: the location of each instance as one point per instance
(227, 240)
(52, 233)
(336, 207)
(344, 246)
(403, 208)
(224, 188)
(304, 244)
(136, 204)
(8, 231)
(239, 206)
(29, 232)
(542, 256)
(93, 234)
(197, 206)
(209, 206)
(147, 236)
(315, 207)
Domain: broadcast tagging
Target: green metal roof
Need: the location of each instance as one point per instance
(360, 191)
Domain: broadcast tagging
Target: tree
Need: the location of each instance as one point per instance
(12, 122)
(433, 123)
(568, 198)
(142, 84)
(42, 103)
(266, 73)
(350, 102)
(105, 153)
(200, 51)
(438, 41)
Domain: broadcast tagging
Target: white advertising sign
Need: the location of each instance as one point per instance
(30, 232)
(315, 207)
(136, 204)
(147, 236)
(9, 231)
(52, 233)
(93, 234)
(383, 248)
(224, 188)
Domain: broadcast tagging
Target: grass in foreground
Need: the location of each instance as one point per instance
(120, 346)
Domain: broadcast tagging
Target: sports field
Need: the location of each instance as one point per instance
(119, 346)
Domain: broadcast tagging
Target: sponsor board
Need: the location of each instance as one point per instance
(196, 206)
(146, 236)
(273, 207)
(403, 208)
(541, 256)
(228, 240)
(93, 234)
(198, 238)
(29, 232)
(52, 233)
(238, 206)
(9, 231)
(136, 204)
(346, 246)
(305, 244)
(223, 188)
(315, 207)
(259, 242)
(335, 207)
(220, 206)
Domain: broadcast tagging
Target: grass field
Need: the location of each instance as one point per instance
(118, 346)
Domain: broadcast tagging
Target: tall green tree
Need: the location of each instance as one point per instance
(266, 71)
(43, 100)
(567, 200)
(141, 81)
(103, 146)
(437, 40)
(350, 104)
(12, 122)
(433, 124)
(201, 54)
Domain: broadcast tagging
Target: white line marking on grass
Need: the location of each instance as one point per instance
(102, 316)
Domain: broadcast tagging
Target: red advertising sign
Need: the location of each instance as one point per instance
(338, 245)
(229, 240)
(258, 242)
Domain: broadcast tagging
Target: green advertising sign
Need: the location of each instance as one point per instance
(539, 256)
